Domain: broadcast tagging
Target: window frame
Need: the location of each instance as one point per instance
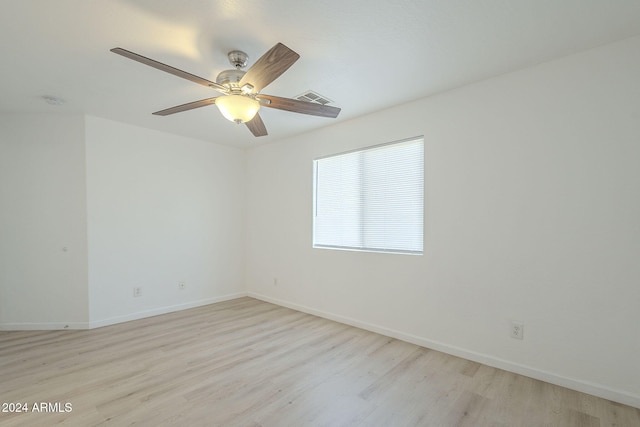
(363, 248)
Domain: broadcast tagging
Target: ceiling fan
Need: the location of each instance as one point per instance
(241, 98)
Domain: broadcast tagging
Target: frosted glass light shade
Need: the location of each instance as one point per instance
(237, 108)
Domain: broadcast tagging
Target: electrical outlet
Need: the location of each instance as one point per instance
(517, 330)
(181, 285)
(137, 291)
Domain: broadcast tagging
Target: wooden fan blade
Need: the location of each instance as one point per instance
(185, 107)
(302, 107)
(256, 126)
(169, 69)
(269, 67)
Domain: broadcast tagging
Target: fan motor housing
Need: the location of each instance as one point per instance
(230, 77)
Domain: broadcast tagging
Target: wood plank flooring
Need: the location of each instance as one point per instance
(250, 363)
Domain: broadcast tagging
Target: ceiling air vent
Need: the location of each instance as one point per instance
(311, 96)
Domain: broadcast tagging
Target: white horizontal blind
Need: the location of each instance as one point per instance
(371, 199)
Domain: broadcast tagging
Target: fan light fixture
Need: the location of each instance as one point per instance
(238, 108)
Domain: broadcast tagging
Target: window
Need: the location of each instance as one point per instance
(371, 199)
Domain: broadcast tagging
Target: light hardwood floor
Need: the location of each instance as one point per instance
(250, 363)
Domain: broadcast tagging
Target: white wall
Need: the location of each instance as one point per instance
(161, 209)
(43, 254)
(532, 213)
(92, 208)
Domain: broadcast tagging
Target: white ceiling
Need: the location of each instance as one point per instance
(365, 55)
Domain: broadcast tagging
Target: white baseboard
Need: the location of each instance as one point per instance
(50, 326)
(45, 326)
(163, 310)
(532, 372)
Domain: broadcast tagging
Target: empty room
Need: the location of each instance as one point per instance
(303, 213)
